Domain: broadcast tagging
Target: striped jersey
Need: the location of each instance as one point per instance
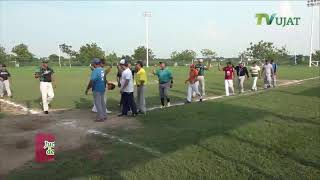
(254, 71)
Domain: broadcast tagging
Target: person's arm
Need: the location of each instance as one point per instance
(124, 85)
(247, 73)
(108, 70)
(89, 86)
(234, 73)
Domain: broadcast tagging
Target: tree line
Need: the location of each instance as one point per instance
(259, 51)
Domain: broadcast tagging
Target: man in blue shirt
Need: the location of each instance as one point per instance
(98, 85)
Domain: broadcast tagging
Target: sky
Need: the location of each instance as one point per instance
(226, 27)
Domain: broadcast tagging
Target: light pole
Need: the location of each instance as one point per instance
(312, 3)
(147, 15)
(59, 55)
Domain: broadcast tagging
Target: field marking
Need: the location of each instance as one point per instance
(23, 108)
(147, 149)
(243, 94)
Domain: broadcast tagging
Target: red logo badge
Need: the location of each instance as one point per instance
(44, 147)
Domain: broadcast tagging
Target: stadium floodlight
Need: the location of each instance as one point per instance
(312, 3)
(147, 15)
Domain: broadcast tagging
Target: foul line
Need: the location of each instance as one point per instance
(23, 108)
(147, 149)
(243, 94)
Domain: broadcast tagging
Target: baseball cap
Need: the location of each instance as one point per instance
(96, 61)
(45, 61)
(201, 60)
(123, 62)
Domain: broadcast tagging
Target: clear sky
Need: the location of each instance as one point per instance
(224, 26)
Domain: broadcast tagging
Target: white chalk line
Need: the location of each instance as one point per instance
(242, 94)
(147, 149)
(23, 108)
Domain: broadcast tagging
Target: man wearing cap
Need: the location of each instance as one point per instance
(192, 86)
(127, 90)
(4, 81)
(200, 67)
(98, 85)
(45, 75)
(242, 72)
(165, 82)
(275, 69)
(141, 80)
(106, 72)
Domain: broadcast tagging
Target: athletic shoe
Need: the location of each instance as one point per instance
(200, 100)
(109, 112)
(46, 112)
(120, 115)
(162, 107)
(168, 104)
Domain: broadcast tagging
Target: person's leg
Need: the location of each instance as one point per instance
(7, 87)
(161, 92)
(274, 81)
(230, 83)
(44, 95)
(189, 93)
(202, 84)
(242, 78)
(132, 103)
(269, 79)
(265, 81)
(2, 89)
(143, 100)
(139, 98)
(97, 102)
(226, 86)
(125, 105)
(103, 105)
(166, 93)
(50, 92)
(254, 85)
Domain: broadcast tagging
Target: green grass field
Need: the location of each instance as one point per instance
(71, 84)
(269, 135)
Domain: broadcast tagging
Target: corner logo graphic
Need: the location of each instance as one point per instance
(280, 21)
(44, 147)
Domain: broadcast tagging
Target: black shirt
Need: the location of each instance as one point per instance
(242, 71)
(4, 74)
(45, 75)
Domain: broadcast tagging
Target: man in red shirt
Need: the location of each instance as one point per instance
(228, 78)
(192, 86)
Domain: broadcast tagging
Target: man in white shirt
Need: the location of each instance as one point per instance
(268, 72)
(255, 74)
(126, 90)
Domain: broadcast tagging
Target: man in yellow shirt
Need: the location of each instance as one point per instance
(141, 80)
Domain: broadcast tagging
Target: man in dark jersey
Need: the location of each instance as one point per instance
(200, 67)
(4, 81)
(45, 74)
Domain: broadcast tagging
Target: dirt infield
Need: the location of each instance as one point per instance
(19, 127)
(18, 130)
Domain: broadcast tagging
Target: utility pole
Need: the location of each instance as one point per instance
(147, 15)
(312, 3)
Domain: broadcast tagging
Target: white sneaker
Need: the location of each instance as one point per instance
(109, 112)
(168, 104)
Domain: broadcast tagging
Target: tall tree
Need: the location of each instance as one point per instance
(140, 54)
(67, 50)
(53, 58)
(3, 54)
(186, 55)
(112, 58)
(265, 50)
(316, 56)
(208, 54)
(22, 53)
(90, 51)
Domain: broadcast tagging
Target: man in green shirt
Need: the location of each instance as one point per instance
(201, 82)
(45, 74)
(165, 82)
